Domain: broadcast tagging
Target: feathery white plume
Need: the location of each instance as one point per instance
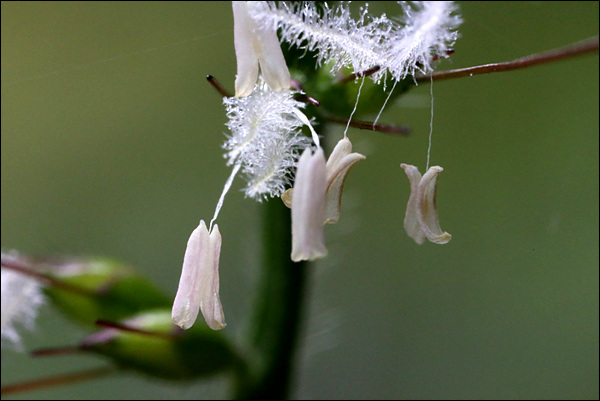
(429, 29)
(400, 47)
(266, 139)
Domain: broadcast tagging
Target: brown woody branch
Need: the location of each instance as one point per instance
(576, 49)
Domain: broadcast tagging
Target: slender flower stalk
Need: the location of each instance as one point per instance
(276, 321)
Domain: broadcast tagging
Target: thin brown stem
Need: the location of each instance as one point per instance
(44, 278)
(55, 351)
(576, 49)
(307, 99)
(392, 129)
(58, 380)
(218, 87)
(353, 77)
(136, 330)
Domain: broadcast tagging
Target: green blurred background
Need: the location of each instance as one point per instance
(111, 146)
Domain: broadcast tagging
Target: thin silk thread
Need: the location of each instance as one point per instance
(355, 106)
(430, 124)
(236, 168)
(384, 103)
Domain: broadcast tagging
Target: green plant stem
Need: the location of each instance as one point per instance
(273, 335)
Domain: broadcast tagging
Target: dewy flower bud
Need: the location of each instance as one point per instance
(421, 219)
(308, 207)
(199, 283)
(256, 44)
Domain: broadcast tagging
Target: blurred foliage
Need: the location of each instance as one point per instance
(101, 289)
(162, 349)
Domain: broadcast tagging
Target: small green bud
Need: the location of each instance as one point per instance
(100, 289)
(150, 343)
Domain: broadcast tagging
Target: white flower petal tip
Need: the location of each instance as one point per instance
(199, 284)
(256, 45)
(421, 219)
(308, 207)
(338, 165)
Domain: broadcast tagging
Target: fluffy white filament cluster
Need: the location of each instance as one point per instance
(265, 139)
(399, 46)
(21, 298)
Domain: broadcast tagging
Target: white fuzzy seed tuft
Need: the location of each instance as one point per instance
(265, 139)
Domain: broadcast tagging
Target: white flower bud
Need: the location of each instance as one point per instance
(421, 219)
(308, 207)
(199, 283)
(339, 163)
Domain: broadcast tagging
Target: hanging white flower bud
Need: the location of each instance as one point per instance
(421, 219)
(339, 163)
(199, 283)
(308, 207)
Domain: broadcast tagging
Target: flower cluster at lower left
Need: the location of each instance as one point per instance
(129, 317)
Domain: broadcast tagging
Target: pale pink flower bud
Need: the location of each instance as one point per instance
(199, 283)
(421, 219)
(308, 207)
